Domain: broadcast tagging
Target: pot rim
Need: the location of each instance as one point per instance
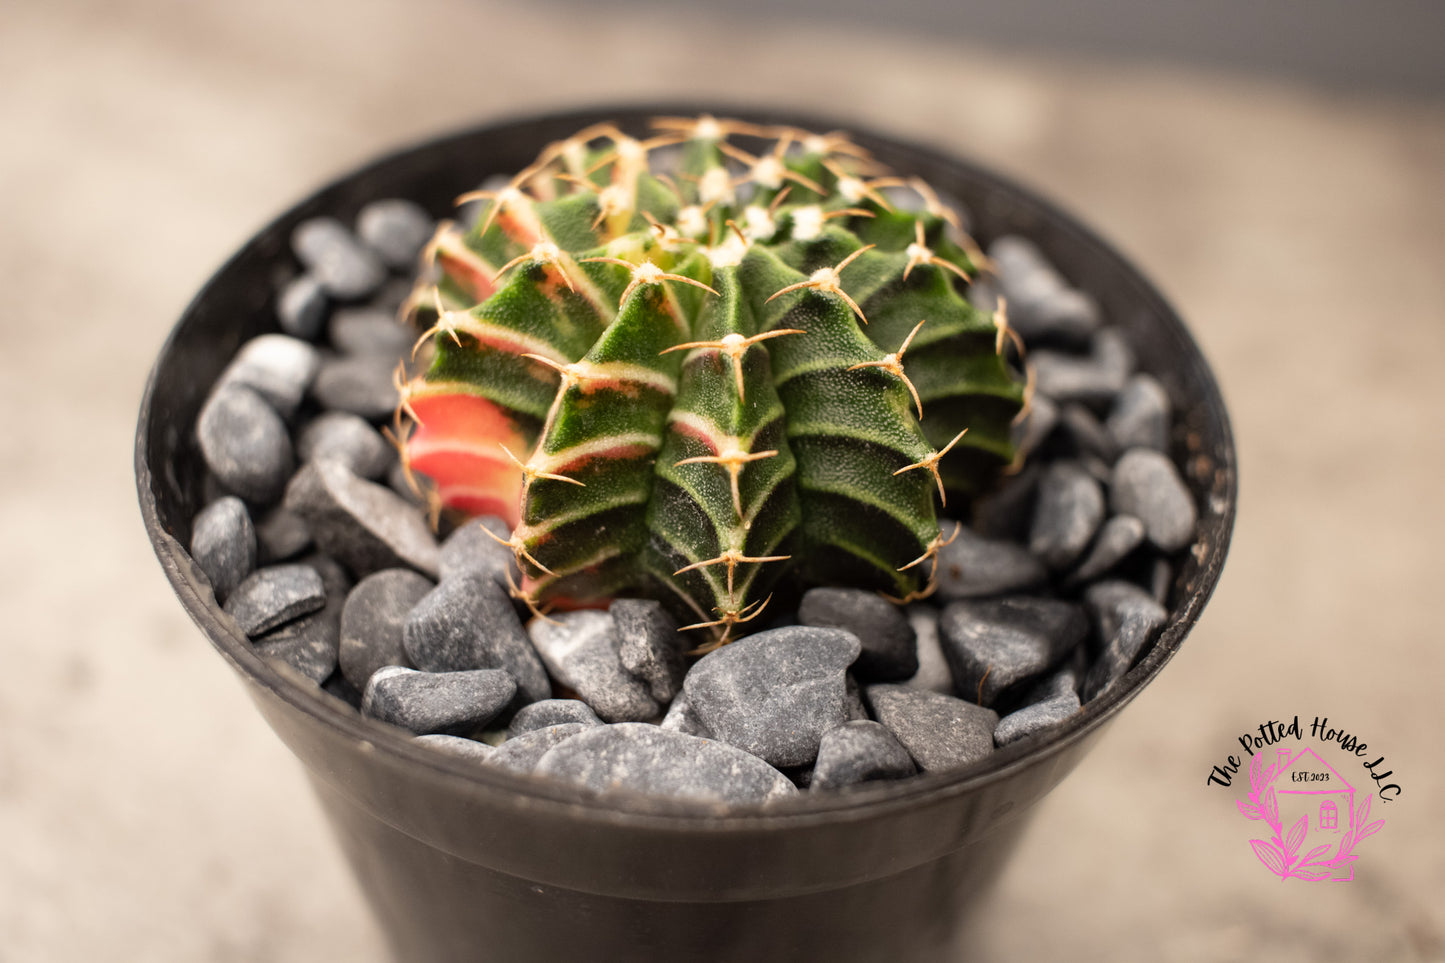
(866, 802)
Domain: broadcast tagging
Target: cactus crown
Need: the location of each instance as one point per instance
(680, 368)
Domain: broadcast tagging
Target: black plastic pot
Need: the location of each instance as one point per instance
(462, 863)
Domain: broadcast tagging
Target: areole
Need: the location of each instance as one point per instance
(462, 863)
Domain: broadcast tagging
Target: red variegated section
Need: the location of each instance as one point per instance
(457, 443)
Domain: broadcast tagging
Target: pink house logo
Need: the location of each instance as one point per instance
(1315, 817)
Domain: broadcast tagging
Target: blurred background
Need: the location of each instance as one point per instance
(1277, 168)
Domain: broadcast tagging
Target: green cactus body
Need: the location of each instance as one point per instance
(687, 384)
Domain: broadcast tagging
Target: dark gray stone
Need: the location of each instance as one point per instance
(522, 753)
(245, 444)
(649, 646)
(332, 254)
(889, 652)
(1063, 682)
(223, 544)
(1127, 619)
(362, 384)
(469, 549)
(363, 525)
(1093, 379)
(371, 331)
(1037, 425)
(459, 746)
(972, 566)
(997, 647)
(853, 705)
(860, 751)
(310, 644)
(1141, 415)
(281, 534)
(333, 576)
(1147, 485)
(277, 367)
(551, 712)
(274, 596)
(634, 757)
(933, 672)
(1035, 718)
(681, 718)
(468, 622)
(394, 293)
(443, 702)
(580, 651)
(1007, 512)
(1086, 435)
(939, 731)
(396, 230)
(301, 307)
(1041, 303)
(349, 439)
(775, 693)
(1118, 537)
(1161, 580)
(372, 620)
(1068, 512)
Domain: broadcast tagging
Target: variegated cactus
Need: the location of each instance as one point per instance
(682, 369)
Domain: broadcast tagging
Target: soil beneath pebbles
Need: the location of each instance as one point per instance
(320, 550)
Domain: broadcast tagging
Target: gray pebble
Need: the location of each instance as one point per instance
(361, 384)
(1037, 425)
(444, 702)
(396, 230)
(1063, 682)
(277, 367)
(245, 444)
(372, 620)
(1147, 485)
(521, 754)
(281, 534)
(972, 566)
(1161, 580)
(1035, 718)
(1041, 303)
(349, 439)
(634, 757)
(889, 652)
(363, 525)
(333, 576)
(301, 307)
(1093, 379)
(1068, 512)
(346, 269)
(459, 746)
(310, 644)
(1141, 415)
(649, 646)
(853, 705)
(551, 712)
(1087, 436)
(370, 330)
(468, 622)
(1127, 619)
(580, 650)
(681, 718)
(223, 544)
(775, 693)
(940, 732)
(1118, 537)
(394, 293)
(470, 549)
(1005, 512)
(856, 752)
(995, 647)
(933, 672)
(274, 596)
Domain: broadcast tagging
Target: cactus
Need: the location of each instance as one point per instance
(683, 369)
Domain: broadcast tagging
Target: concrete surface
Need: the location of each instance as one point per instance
(147, 813)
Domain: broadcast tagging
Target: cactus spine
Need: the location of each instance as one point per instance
(689, 381)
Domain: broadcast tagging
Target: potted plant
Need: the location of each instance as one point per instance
(600, 326)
